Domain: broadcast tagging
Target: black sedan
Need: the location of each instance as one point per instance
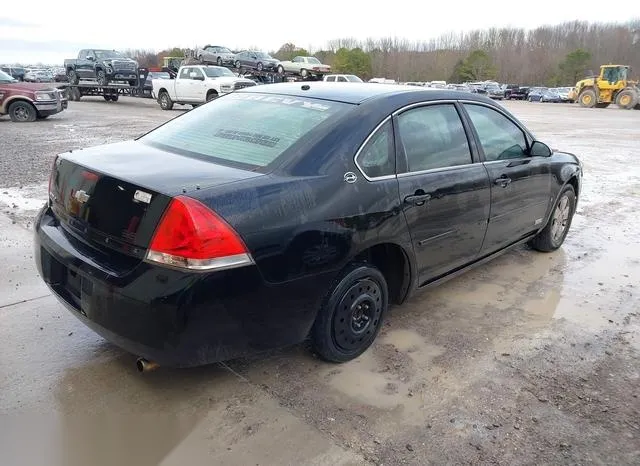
(288, 211)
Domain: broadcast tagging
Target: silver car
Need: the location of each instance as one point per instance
(215, 54)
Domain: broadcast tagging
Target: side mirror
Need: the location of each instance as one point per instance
(91, 58)
(540, 149)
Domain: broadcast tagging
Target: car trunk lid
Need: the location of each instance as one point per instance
(113, 197)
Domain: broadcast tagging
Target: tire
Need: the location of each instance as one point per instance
(551, 238)
(237, 64)
(101, 78)
(259, 66)
(73, 77)
(219, 61)
(107, 97)
(280, 69)
(351, 314)
(627, 99)
(165, 101)
(22, 112)
(587, 98)
(114, 97)
(304, 73)
(211, 95)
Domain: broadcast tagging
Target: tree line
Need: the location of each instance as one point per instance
(548, 55)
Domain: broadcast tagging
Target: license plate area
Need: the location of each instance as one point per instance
(68, 283)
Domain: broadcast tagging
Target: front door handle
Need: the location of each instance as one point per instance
(503, 181)
(417, 199)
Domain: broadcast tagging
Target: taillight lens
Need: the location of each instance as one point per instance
(52, 195)
(191, 236)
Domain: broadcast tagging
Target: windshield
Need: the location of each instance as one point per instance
(313, 60)
(101, 54)
(248, 130)
(224, 50)
(262, 55)
(5, 78)
(352, 78)
(217, 72)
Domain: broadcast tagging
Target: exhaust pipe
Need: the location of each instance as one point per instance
(146, 366)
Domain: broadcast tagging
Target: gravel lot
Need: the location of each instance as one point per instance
(531, 359)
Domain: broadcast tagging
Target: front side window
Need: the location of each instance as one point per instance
(184, 74)
(500, 137)
(377, 156)
(247, 130)
(433, 137)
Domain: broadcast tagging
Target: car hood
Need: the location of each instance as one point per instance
(24, 86)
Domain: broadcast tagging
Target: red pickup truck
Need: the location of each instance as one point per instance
(25, 102)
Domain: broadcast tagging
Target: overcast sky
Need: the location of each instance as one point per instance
(37, 31)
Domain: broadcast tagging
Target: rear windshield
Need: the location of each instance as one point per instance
(247, 130)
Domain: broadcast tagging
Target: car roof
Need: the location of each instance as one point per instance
(356, 93)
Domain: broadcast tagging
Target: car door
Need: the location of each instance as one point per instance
(444, 188)
(183, 85)
(84, 66)
(198, 89)
(520, 183)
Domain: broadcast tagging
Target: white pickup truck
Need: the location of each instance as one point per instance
(196, 84)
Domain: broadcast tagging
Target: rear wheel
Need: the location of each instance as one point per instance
(352, 314)
(280, 69)
(165, 101)
(219, 61)
(22, 112)
(627, 99)
(304, 73)
(587, 98)
(237, 64)
(212, 95)
(554, 233)
(259, 66)
(73, 77)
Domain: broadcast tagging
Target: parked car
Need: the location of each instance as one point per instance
(27, 102)
(60, 75)
(535, 94)
(304, 66)
(494, 91)
(551, 95)
(566, 94)
(196, 84)
(216, 54)
(255, 60)
(39, 76)
(16, 72)
(282, 212)
(342, 78)
(103, 66)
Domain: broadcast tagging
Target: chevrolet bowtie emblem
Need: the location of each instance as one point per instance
(81, 196)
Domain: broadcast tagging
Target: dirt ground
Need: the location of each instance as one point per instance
(530, 359)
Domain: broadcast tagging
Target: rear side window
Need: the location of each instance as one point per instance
(377, 156)
(245, 129)
(433, 137)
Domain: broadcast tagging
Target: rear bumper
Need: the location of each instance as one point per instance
(174, 318)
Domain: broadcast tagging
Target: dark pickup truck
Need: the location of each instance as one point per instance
(514, 92)
(102, 66)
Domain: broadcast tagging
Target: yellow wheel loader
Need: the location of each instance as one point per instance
(611, 86)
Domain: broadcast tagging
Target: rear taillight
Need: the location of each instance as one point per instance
(191, 236)
(52, 195)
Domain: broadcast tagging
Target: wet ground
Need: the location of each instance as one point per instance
(531, 359)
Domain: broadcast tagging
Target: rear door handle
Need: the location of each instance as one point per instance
(503, 181)
(417, 199)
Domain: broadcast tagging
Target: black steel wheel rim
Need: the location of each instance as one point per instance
(22, 113)
(357, 315)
